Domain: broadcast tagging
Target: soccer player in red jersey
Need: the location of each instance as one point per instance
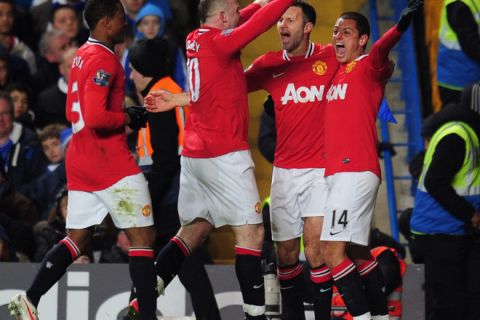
(353, 170)
(101, 172)
(217, 184)
(298, 78)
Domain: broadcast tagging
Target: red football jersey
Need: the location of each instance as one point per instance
(353, 100)
(98, 154)
(298, 86)
(218, 121)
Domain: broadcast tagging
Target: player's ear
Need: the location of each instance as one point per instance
(308, 28)
(223, 16)
(363, 40)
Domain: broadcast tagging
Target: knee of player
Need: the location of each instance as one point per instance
(332, 253)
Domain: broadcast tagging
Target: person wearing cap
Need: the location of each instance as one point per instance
(158, 148)
(446, 217)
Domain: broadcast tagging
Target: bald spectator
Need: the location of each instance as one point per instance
(51, 48)
(51, 101)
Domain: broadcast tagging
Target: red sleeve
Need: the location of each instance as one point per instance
(232, 40)
(380, 50)
(96, 97)
(247, 12)
(255, 75)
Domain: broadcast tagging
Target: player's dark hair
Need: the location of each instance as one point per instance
(6, 96)
(363, 26)
(204, 7)
(309, 14)
(97, 9)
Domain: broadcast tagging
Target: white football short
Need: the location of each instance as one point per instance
(221, 190)
(295, 194)
(128, 202)
(350, 206)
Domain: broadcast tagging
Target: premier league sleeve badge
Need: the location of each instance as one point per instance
(102, 78)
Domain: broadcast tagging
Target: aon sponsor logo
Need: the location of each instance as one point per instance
(303, 94)
(337, 92)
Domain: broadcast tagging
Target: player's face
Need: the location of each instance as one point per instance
(346, 40)
(292, 29)
(66, 19)
(149, 26)
(118, 26)
(52, 148)
(6, 119)
(6, 18)
(232, 14)
(20, 102)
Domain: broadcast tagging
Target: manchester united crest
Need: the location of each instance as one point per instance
(319, 67)
(350, 66)
(147, 210)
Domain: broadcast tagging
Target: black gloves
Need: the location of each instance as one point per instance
(407, 13)
(138, 117)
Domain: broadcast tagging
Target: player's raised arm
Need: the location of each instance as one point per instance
(161, 101)
(233, 40)
(382, 47)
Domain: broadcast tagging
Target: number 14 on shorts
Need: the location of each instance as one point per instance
(339, 222)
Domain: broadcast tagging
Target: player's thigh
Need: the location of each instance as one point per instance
(295, 195)
(191, 197)
(195, 233)
(249, 235)
(229, 188)
(84, 209)
(128, 202)
(350, 206)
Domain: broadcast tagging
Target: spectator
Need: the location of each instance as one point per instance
(43, 189)
(18, 215)
(65, 18)
(52, 46)
(19, 147)
(150, 24)
(51, 101)
(49, 232)
(446, 214)
(458, 63)
(10, 41)
(132, 7)
(22, 112)
(7, 250)
(12, 69)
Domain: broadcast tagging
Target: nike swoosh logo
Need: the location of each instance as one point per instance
(334, 233)
(257, 286)
(325, 290)
(276, 75)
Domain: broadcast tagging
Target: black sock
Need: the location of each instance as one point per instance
(372, 278)
(170, 259)
(250, 277)
(144, 279)
(52, 268)
(292, 288)
(348, 282)
(322, 292)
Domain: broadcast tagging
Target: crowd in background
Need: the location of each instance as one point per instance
(38, 42)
